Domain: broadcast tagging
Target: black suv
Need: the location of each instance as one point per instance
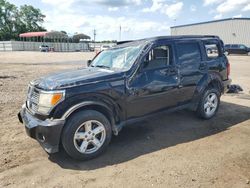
(236, 49)
(82, 109)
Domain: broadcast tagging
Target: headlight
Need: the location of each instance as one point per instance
(47, 100)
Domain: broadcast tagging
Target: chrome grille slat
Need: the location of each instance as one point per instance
(33, 99)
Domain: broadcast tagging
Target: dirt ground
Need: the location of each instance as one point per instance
(175, 150)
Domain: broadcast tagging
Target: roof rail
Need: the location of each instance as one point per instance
(122, 42)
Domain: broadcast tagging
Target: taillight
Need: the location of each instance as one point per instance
(228, 70)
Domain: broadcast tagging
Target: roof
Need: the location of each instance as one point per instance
(171, 37)
(81, 36)
(33, 34)
(46, 34)
(221, 20)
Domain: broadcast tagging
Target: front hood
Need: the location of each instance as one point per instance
(73, 78)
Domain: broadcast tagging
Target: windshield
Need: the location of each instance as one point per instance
(117, 58)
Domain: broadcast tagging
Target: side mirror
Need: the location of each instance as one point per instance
(89, 62)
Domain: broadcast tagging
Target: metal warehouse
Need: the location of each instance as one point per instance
(231, 30)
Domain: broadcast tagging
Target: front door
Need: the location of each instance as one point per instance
(154, 87)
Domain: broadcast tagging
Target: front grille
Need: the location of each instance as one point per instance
(33, 99)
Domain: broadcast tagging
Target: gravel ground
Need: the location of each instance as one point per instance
(177, 150)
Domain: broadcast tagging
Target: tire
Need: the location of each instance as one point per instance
(208, 108)
(80, 137)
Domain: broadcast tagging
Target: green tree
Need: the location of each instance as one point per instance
(8, 20)
(31, 19)
(64, 32)
(14, 21)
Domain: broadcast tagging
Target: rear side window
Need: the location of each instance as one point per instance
(212, 50)
(235, 46)
(242, 46)
(189, 52)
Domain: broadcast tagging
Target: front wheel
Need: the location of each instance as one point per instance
(86, 135)
(209, 104)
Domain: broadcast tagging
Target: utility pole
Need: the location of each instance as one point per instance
(174, 32)
(120, 32)
(94, 37)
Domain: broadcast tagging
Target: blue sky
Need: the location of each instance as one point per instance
(137, 18)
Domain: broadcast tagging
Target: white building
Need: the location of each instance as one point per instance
(231, 30)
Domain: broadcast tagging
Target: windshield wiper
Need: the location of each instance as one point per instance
(102, 66)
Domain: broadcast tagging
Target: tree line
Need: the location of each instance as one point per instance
(15, 20)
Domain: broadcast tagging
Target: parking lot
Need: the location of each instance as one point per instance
(175, 150)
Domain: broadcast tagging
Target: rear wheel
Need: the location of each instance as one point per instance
(209, 103)
(86, 135)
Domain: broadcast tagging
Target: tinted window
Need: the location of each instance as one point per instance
(157, 57)
(189, 52)
(234, 46)
(242, 46)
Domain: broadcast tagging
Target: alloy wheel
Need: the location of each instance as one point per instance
(89, 137)
(211, 104)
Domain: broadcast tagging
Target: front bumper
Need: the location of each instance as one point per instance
(46, 132)
(226, 84)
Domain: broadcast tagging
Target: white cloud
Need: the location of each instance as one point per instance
(113, 9)
(231, 5)
(227, 6)
(107, 27)
(171, 10)
(238, 16)
(66, 15)
(157, 5)
(59, 3)
(118, 3)
(246, 8)
(218, 16)
(210, 2)
(193, 8)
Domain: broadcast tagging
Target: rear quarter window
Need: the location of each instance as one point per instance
(188, 52)
(212, 50)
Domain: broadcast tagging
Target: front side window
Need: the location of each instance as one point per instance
(188, 52)
(157, 57)
(117, 58)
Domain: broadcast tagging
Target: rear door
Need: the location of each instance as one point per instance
(235, 49)
(191, 68)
